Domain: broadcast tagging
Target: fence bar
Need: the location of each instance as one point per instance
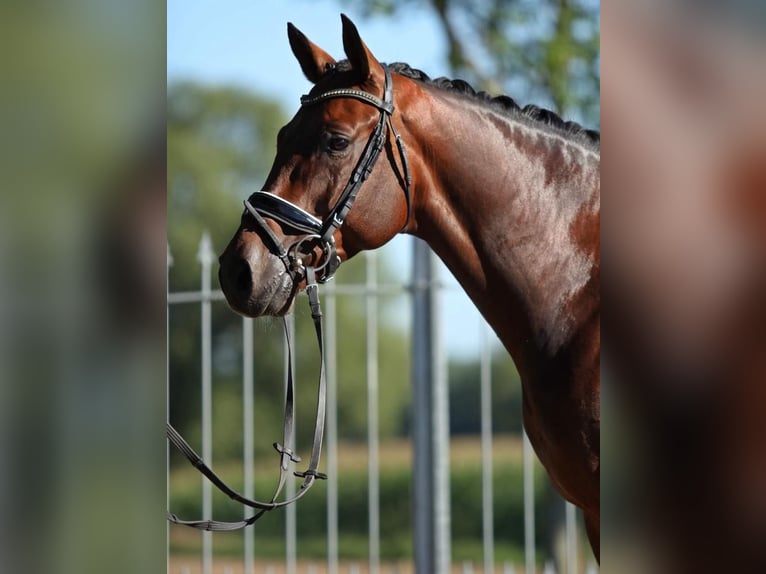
(331, 360)
(431, 488)
(248, 430)
(529, 504)
(167, 404)
(373, 474)
(290, 510)
(430, 428)
(571, 538)
(341, 289)
(205, 257)
(486, 452)
(441, 435)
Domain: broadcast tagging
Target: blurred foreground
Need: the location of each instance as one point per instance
(684, 139)
(82, 253)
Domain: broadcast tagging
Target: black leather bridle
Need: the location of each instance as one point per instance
(263, 204)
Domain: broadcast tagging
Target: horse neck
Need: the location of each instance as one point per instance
(513, 210)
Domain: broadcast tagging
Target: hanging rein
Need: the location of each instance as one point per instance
(263, 204)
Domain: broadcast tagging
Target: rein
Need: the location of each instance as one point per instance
(285, 453)
(264, 204)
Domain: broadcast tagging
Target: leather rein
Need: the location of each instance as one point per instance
(263, 204)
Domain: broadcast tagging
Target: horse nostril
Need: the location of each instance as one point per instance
(244, 279)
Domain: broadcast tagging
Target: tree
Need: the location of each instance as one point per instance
(545, 51)
(220, 143)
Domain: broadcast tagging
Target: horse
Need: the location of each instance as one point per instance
(507, 197)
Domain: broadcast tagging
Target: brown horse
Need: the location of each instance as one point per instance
(507, 197)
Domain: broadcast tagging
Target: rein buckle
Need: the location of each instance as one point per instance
(284, 451)
(310, 472)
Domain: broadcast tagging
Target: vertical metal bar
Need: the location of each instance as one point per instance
(441, 436)
(486, 452)
(167, 403)
(248, 429)
(422, 413)
(430, 422)
(529, 504)
(331, 360)
(571, 537)
(423, 503)
(205, 258)
(290, 511)
(373, 478)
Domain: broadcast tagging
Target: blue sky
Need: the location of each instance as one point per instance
(244, 43)
(241, 42)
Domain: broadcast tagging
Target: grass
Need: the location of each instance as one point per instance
(395, 478)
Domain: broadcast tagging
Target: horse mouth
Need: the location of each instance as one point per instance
(250, 297)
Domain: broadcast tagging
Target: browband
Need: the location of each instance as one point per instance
(386, 106)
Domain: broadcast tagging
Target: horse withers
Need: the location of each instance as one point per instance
(509, 198)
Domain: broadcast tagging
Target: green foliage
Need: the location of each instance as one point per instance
(544, 52)
(465, 396)
(395, 508)
(221, 142)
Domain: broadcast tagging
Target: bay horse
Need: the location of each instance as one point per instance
(508, 198)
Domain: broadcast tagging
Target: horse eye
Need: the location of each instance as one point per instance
(337, 143)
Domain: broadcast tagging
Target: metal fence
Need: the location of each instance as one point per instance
(430, 437)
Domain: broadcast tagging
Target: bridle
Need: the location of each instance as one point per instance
(263, 204)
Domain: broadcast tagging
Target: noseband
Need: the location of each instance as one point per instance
(264, 204)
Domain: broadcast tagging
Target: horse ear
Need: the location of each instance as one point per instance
(313, 60)
(360, 57)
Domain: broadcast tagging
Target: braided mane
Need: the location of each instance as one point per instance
(502, 103)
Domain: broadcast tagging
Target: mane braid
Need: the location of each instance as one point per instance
(502, 103)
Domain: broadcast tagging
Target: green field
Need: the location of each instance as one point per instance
(395, 461)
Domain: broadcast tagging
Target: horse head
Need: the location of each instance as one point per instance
(302, 217)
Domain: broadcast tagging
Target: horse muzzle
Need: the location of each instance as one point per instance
(256, 285)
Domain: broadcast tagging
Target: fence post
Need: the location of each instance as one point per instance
(571, 537)
(487, 494)
(529, 504)
(167, 392)
(248, 428)
(430, 422)
(206, 256)
(371, 312)
(331, 358)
